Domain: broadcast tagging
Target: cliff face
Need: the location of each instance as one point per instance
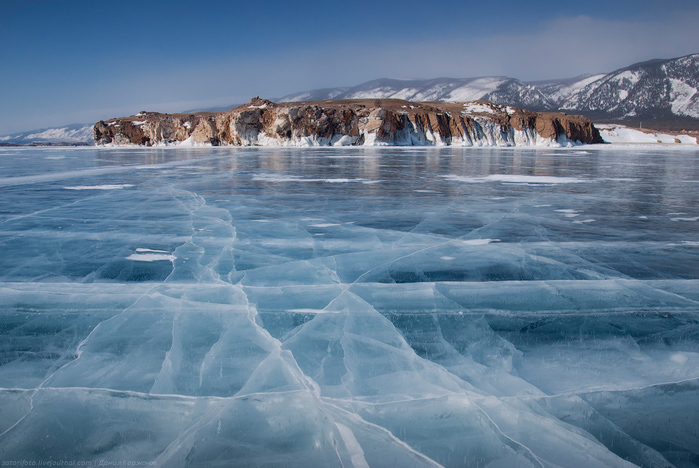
(352, 122)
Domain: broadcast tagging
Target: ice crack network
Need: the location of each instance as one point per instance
(356, 307)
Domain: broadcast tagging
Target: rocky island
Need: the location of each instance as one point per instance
(352, 122)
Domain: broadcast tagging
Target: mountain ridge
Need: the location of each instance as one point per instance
(662, 94)
(72, 134)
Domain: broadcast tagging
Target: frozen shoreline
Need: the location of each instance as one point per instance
(621, 134)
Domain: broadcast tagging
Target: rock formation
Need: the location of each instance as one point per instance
(352, 122)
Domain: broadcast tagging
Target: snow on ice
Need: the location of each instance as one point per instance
(613, 133)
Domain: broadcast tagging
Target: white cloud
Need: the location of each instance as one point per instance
(565, 47)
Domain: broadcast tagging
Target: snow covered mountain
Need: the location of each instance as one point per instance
(653, 89)
(69, 134)
(559, 91)
(665, 91)
(663, 94)
(498, 89)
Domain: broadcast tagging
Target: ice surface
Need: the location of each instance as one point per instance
(350, 307)
(512, 178)
(98, 187)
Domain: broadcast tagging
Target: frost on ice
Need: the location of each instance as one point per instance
(351, 307)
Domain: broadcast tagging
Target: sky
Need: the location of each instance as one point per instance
(75, 61)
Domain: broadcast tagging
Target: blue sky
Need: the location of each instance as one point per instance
(69, 61)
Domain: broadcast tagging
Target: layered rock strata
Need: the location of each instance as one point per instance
(352, 122)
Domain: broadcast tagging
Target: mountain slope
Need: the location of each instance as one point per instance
(498, 89)
(70, 134)
(653, 89)
(663, 94)
(663, 91)
(558, 91)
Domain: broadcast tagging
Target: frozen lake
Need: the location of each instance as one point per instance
(499, 307)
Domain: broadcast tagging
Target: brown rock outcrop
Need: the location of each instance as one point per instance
(352, 122)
